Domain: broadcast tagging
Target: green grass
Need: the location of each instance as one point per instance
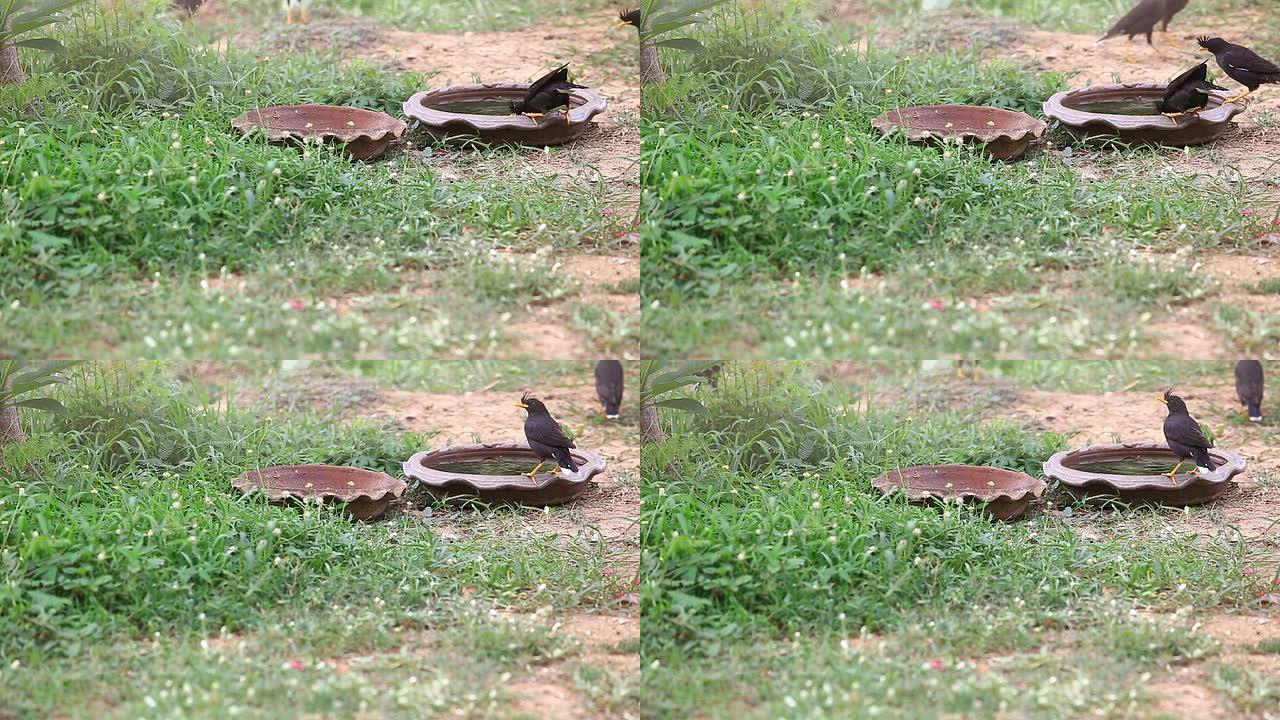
(127, 526)
(769, 194)
(774, 570)
(125, 193)
(1103, 375)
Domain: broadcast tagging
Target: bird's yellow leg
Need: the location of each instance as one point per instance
(1174, 472)
(1238, 97)
(1128, 53)
(1173, 116)
(302, 13)
(288, 14)
(534, 473)
(533, 116)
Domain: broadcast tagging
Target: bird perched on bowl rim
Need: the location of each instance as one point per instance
(1187, 93)
(546, 438)
(1249, 387)
(1243, 65)
(609, 387)
(547, 93)
(1185, 436)
(289, 5)
(1142, 19)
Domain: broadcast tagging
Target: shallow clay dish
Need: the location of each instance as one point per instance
(1004, 493)
(365, 494)
(1004, 134)
(548, 489)
(1188, 488)
(551, 129)
(1065, 107)
(364, 134)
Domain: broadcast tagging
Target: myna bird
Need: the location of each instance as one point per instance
(609, 386)
(545, 437)
(289, 6)
(1184, 436)
(547, 93)
(1187, 92)
(1243, 65)
(1142, 19)
(629, 17)
(1249, 387)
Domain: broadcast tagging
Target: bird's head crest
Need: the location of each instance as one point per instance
(1212, 44)
(629, 17)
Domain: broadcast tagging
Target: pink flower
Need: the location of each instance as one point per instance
(1247, 571)
(632, 598)
(1246, 212)
(296, 304)
(296, 665)
(607, 211)
(936, 304)
(1273, 598)
(607, 571)
(936, 665)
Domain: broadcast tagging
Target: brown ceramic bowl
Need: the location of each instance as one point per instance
(1068, 109)
(364, 494)
(555, 128)
(546, 489)
(1003, 134)
(1005, 494)
(1188, 488)
(364, 134)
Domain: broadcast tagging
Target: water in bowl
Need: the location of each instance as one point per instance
(477, 107)
(492, 466)
(1122, 106)
(1133, 466)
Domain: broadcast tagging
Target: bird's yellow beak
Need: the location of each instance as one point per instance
(526, 407)
(1161, 399)
(621, 23)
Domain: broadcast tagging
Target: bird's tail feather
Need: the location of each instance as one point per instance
(565, 459)
(1203, 459)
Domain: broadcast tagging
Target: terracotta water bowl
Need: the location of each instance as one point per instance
(554, 128)
(364, 494)
(1067, 108)
(1003, 134)
(1188, 488)
(1005, 494)
(363, 134)
(430, 469)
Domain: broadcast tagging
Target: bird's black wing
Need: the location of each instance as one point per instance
(1184, 429)
(1240, 57)
(1199, 72)
(559, 75)
(547, 431)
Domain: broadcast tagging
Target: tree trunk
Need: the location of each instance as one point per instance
(650, 68)
(10, 69)
(650, 427)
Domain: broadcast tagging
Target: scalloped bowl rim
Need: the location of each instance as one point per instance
(592, 464)
(1074, 117)
(591, 103)
(1232, 464)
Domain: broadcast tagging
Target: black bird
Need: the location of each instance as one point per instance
(1249, 387)
(1243, 65)
(191, 6)
(545, 437)
(1187, 92)
(629, 17)
(547, 93)
(609, 386)
(1142, 19)
(1184, 436)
